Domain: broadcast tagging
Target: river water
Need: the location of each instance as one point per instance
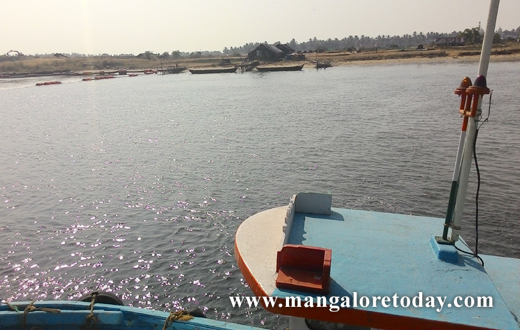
(137, 185)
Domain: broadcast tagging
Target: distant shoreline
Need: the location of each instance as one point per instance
(44, 67)
(416, 60)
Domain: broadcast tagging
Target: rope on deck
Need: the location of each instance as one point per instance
(13, 307)
(32, 308)
(91, 318)
(176, 316)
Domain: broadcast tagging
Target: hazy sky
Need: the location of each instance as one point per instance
(135, 26)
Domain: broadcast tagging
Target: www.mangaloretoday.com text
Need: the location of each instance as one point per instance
(334, 303)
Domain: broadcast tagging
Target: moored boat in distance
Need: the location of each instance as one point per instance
(48, 83)
(172, 70)
(213, 70)
(103, 77)
(280, 68)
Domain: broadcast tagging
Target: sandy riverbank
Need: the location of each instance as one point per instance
(419, 57)
(466, 59)
(50, 66)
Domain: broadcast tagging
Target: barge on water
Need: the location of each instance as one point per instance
(213, 70)
(280, 68)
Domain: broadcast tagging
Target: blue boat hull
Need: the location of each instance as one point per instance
(73, 315)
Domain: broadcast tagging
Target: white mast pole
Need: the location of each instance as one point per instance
(472, 125)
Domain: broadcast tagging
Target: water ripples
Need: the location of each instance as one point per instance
(137, 187)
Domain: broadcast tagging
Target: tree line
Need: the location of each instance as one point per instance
(471, 36)
(351, 43)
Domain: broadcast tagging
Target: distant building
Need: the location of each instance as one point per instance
(266, 52)
(449, 41)
(285, 48)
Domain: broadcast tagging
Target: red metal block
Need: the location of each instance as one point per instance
(304, 268)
